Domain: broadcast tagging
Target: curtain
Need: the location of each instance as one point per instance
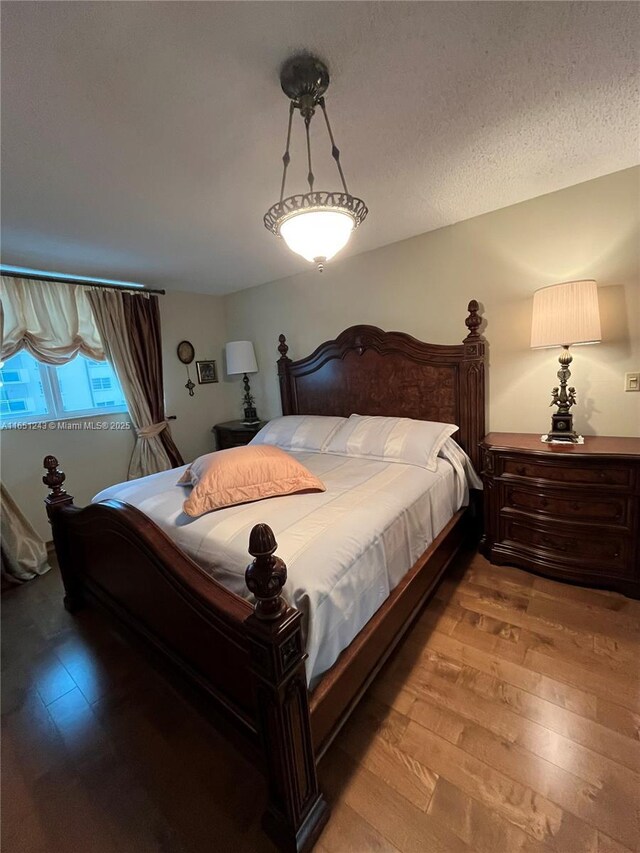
(24, 555)
(53, 320)
(129, 326)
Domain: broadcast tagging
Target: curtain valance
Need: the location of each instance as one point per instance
(53, 320)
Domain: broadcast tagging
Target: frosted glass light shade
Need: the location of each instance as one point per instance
(566, 314)
(317, 235)
(241, 357)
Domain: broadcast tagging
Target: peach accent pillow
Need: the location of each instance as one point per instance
(243, 474)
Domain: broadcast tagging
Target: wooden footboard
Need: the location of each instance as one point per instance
(244, 663)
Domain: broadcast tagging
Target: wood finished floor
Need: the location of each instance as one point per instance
(508, 722)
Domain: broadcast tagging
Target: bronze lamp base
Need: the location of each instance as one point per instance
(563, 397)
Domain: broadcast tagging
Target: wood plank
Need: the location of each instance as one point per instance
(486, 601)
(591, 767)
(394, 817)
(540, 685)
(414, 659)
(537, 816)
(616, 717)
(612, 802)
(610, 603)
(347, 832)
(585, 617)
(608, 845)
(372, 741)
(522, 583)
(509, 709)
(438, 719)
(621, 654)
(391, 693)
(601, 598)
(476, 824)
(564, 643)
(610, 686)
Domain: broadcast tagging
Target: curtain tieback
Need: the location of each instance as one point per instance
(152, 430)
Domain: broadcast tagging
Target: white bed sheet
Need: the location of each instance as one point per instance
(345, 548)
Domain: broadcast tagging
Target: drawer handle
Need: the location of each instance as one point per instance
(575, 505)
(521, 469)
(544, 502)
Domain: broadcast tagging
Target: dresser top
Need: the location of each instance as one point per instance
(594, 445)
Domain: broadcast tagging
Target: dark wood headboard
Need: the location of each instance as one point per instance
(370, 372)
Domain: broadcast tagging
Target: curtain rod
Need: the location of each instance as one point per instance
(81, 282)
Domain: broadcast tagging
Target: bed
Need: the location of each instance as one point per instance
(250, 663)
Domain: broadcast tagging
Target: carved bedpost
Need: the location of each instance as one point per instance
(296, 811)
(286, 393)
(472, 397)
(54, 502)
(53, 479)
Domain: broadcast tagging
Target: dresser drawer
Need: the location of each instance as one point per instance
(560, 472)
(596, 551)
(578, 505)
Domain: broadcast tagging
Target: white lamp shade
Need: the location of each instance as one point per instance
(566, 314)
(317, 234)
(240, 357)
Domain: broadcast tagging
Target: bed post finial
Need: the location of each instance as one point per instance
(283, 347)
(473, 321)
(267, 574)
(53, 479)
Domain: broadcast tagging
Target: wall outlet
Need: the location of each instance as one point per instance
(632, 382)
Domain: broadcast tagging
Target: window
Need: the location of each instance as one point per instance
(31, 391)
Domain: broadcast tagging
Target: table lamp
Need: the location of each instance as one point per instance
(565, 315)
(241, 358)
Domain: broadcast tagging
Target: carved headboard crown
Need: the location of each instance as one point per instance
(371, 372)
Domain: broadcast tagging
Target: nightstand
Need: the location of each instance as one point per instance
(235, 433)
(568, 511)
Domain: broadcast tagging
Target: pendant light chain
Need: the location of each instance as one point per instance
(335, 151)
(310, 175)
(286, 159)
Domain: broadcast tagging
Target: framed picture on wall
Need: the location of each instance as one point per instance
(207, 372)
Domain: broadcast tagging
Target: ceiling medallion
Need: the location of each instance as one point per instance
(319, 223)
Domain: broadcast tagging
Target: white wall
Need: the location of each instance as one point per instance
(422, 286)
(92, 459)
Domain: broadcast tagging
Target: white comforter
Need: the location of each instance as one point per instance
(345, 548)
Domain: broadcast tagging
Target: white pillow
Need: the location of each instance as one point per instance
(391, 439)
(299, 432)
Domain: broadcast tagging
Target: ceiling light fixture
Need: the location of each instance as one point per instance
(319, 223)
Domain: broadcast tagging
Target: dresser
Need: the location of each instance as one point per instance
(568, 511)
(235, 433)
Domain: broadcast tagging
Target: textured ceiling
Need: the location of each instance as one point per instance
(142, 141)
